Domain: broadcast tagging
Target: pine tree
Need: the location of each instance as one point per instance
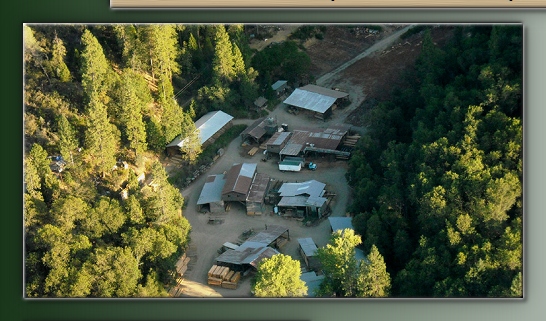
(68, 142)
(373, 278)
(101, 137)
(60, 69)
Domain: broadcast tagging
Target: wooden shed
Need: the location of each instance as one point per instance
(255, 204)
(308, 250)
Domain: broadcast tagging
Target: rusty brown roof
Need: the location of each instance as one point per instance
(258, 188)
(239, 178)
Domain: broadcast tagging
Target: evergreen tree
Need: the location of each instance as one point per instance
(373, 278)
(60, 69)
(279, 276)
(68, 142)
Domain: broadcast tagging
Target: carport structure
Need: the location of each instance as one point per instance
(316, 99)
(211, 194)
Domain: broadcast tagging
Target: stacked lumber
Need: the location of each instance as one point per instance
(232, 281)
(253, 151)
(182, 265)
(351, 141)
(222, 276)
(281, 242)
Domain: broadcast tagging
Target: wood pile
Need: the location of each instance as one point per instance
(351, 141)
(222, 276)
(182, 265)
(253, 151)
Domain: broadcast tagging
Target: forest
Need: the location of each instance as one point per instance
(438, 180)
(100, 104)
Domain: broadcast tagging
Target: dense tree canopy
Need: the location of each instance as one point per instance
(279, 277)
(438, 181)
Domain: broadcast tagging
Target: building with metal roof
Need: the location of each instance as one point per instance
(326, 141)
(255, 204)
(315, 99)
(303, 199)
(308, 188)
(312, 281)
(238, 181)
(210, 127)
(277, 142)
(211, 194)
(279, 85)
(254, 249)
(260, 129)
(340, 223)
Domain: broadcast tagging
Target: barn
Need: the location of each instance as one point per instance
(211, 195)
(317, 100)
(210, 127)
(238, 181)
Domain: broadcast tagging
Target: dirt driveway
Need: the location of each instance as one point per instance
(206, 238)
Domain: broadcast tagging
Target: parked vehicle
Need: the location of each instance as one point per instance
(290, 166)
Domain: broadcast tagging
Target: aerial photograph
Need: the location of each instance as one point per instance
(273, 161)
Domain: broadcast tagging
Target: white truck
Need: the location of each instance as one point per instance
(290, 166)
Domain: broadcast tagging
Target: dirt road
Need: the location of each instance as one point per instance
(329, 79)
(206, 238)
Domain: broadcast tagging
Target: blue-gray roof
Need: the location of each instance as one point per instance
(312, 281)
(340, 223)
(278, 84)
(308, 246)
(311, 188)
(212, 190)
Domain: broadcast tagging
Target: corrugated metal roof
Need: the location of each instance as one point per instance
(325, 91)
(260, 101)
(315, 201)
(278, 84)
(311, 188)
(247, 255)
(258, 188)
(268, 236)
(278, 138)
(308, 246)
(239, 178)
(289, 201)
(310, 100)
(340, 223)
(212, 190)
(208, 125)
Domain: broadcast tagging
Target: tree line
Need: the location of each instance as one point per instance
(99, 98)
(438, 180)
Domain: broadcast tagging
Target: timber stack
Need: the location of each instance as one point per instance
(222, 276)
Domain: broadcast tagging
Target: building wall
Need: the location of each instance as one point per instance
(234, 197)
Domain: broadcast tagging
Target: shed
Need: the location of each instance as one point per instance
(318, 100)
(279, 86)
(326, 141)
(260, 102)
(210, 127)
(244, 258)
(274, 236)
(211, 194)
(260, 129)
(308, 250)
(238, 181)
(277, 142)
(255, 199)
(340, 223)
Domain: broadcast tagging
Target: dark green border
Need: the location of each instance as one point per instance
(70, 11)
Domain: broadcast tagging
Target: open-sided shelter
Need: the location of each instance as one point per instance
(260, 129)
(211, 194)
(318, 100)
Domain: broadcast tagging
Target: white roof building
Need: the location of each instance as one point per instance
(208, 125)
